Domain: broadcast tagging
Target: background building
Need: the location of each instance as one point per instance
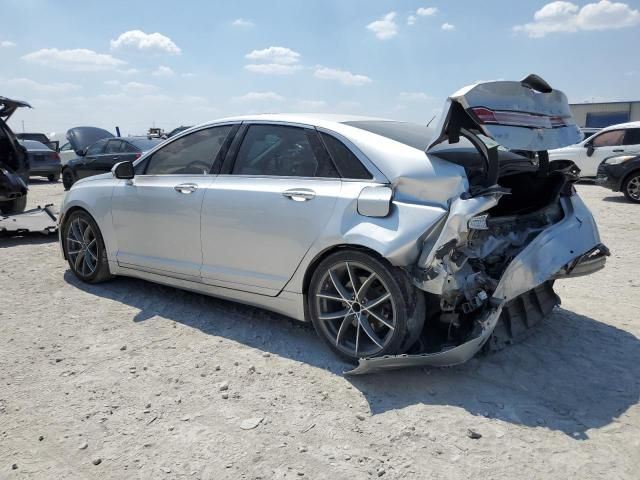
(598, 115)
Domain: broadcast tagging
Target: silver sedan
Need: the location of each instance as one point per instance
(403, 245)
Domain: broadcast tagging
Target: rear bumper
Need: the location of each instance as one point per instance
(44, 170)
(566, 249)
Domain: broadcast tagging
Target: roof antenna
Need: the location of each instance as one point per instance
(118, 132)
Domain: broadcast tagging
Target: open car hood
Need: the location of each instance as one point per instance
(527, 115)
(82, 137)
(8, 106)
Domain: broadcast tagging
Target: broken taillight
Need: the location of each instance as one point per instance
(54, 156)
(519, 119)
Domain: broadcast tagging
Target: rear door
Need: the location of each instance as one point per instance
(156, 216)
(105, 161)
(263, 212)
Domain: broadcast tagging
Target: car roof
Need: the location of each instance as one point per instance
(622, 125)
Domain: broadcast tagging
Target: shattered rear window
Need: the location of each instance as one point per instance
(411, 134)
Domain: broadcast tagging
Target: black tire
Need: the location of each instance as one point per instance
(67, 178)
(14, 206)
(53, 178)
(81, 263)
(404, 310)
(631, 187)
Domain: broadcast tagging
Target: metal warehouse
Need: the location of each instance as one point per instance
(599, 115)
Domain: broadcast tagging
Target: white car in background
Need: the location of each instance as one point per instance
(67, 153)
(622, 139)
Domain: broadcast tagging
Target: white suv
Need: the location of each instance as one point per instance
(588, 154)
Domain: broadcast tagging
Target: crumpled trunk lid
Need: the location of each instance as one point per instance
(82, 137)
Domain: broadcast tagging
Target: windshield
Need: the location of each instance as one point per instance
(412, 134)
(33, 145)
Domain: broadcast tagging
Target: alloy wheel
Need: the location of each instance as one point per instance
(82, 247)
(356, 309)
(633, 188)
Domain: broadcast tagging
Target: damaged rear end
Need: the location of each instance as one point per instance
(488, 269)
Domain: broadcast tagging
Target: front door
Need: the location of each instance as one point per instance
(156, 216)
(261, 217)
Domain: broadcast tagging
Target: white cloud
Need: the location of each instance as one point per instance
(427, 12)
(112, 83)
(411, 20)
(128, 71)
(151, 42)
(342, 76)
(188, 75)
(77, 59)
(139, 88)
(413, 97)
(27, 83)
(242, 22)
(279, 55)
(258, 97)
(567, 17)
(272, 68)
(162, 71)
(386, 27)
(448, 27)
(311, 105)
(7, 44)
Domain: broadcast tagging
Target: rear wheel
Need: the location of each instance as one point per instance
(631, 187)
(362, 306)
(14, 206)
(84, 247)
(67, 178)
(53, 178)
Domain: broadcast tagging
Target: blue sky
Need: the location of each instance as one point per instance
(135, 63)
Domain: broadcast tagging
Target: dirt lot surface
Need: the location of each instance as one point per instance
(129, 379)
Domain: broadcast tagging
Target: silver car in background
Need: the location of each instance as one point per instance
(403, 246)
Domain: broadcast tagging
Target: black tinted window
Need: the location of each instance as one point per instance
(97, 147)
(113, 146)
(347, 163)
(128, 148)
(193, 154)
(277, 150)
(632, 137)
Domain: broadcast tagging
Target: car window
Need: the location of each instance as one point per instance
(632, 137)
(611, 138)
(347, 163)
(283, 151)
(128, 148)
(65, 147)
(192, 154)
(113, 146)
(96, 148)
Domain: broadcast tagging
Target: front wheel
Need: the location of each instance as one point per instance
(67, 179)
(631, 187)
(362, 306)
(84, 247)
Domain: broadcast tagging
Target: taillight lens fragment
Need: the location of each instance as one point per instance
(520, 119)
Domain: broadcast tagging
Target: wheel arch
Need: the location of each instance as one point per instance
(68, 212)
(635, 171)
(313, 265)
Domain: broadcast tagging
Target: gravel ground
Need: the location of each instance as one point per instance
(129, 379)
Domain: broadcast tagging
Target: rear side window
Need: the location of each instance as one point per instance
(611, 138)
(192, 154)
(128, 148)
(96, 148)
(632, 137)
(113, 146)
(346, 162)
(282, 151)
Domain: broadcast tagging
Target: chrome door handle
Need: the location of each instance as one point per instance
(186, 188)
(299, 194)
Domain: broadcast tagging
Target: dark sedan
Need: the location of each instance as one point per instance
(43, 162)
(621, 174)
(103, 155)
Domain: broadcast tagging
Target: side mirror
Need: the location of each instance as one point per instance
(590, 150)
(123, 170)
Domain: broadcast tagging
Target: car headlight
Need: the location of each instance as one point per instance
(619, 160)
